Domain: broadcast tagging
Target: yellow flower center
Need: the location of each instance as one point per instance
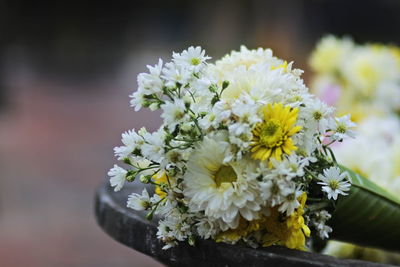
(225, 174)
(195, 61)
(271, 133)
(334, 184)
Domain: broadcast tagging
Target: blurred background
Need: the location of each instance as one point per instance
(66, 70)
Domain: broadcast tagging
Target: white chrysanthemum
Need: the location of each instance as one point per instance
(117, 177)
(221, 191)
(246, 58)
(333, 182)
(259, 82)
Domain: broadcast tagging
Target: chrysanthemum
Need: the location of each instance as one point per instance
(221, 191)
(272, 137)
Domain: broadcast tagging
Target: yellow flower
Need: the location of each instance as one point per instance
(290, 232)
(272, 137)
(244, 229)
(160, 178)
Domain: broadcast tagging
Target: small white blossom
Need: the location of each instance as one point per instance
(139, 201)
(290, 202)
(319, 221)
(333, 182)
(131, 141)
(117, 177)
(342, 128)
(153, 148)
(174, 113)
(174, 74)
(151, 82)
(193, 57)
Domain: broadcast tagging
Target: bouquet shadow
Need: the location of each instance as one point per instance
(132, 229)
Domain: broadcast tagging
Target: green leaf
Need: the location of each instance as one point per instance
(368, 216)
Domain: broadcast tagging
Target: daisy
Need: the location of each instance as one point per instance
(272, 137)
(342, 128)
(193, 57)
(174, 113)
(332, 182)
(290, 202)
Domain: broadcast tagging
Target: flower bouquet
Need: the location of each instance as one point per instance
(243, 156)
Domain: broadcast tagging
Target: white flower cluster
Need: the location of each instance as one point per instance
(363, 79)
(242, 142)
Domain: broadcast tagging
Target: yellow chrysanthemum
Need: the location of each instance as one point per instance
(160, 178)
(272, 137)
(244, 229)
(291, 232)
(288, 231)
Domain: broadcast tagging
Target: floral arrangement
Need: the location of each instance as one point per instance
(242, 156)
(363, 80)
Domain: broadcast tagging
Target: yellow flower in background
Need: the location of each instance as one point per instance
(328, 54)
(272, 137)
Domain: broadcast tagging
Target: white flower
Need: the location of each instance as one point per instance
(131, 141)
(221, 191)
(290, 202)
(174, 74)
(290, 167)
(151, 82)
(319, 221)
(319, 113)
(117, 177)
(207, 228)
(193, 57)
(342, 127)
(333, 183)
(153, 148)
(174, 113)
(172, 228)
(139, 202)
(273, 191)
